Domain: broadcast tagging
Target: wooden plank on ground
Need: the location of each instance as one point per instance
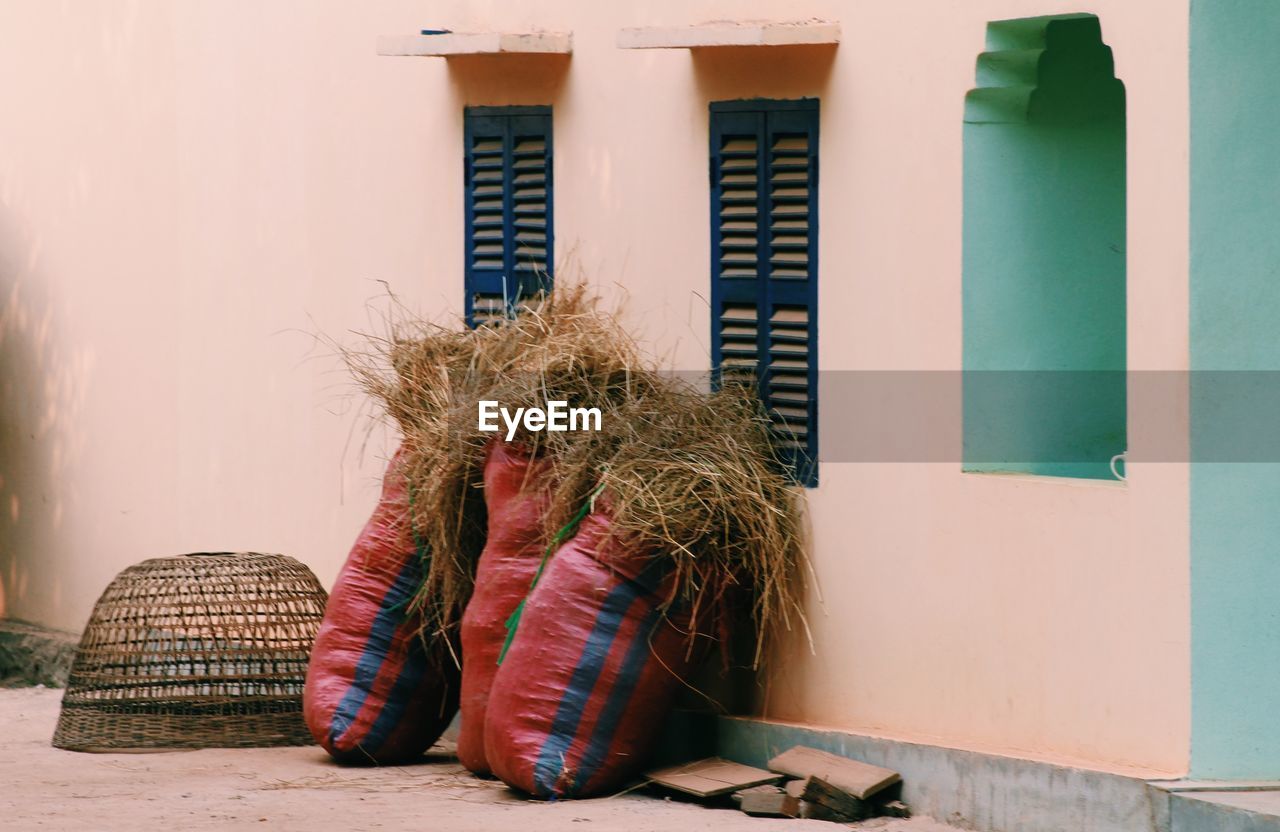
(861, 780)
(711, 777)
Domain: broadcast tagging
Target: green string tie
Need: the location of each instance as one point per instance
(565, 531)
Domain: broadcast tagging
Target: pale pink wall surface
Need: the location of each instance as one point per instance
(188, 192)
(191, 187)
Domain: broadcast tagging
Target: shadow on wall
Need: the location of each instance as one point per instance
(42, 393)
(499, 80)
(731, 72)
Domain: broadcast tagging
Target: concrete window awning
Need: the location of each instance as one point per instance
(732, 33)
(451, 44)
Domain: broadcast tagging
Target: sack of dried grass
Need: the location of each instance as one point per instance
(695, 495)
(379, 690)
(592, 670)
(516, 491)
(689, 506)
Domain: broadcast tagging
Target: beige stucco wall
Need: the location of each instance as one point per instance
(189, 192)
(191, 189)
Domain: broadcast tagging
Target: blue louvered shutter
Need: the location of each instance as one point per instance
(509, 227)
(764, 253)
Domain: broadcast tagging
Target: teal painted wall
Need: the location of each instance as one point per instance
(1044, 252)
(1235, 325)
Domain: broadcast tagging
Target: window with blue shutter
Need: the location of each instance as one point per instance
(509, 227)
(764, 265)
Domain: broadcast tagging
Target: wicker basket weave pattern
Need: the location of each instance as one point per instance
(195, 651)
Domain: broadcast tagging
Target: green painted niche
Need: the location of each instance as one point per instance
(1044, 252)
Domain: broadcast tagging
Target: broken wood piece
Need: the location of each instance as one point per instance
(711, 777)
(895, 809)
(861, 780)
(795, 788)
(817, 790)
(767, 788)
(816, 811)
(764, 804)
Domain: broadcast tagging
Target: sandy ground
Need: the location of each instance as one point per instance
(298, 788)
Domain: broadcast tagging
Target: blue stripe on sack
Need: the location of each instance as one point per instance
(381, 634)
(619, 698)
(415, 667)
(551, 758)
(590, 663)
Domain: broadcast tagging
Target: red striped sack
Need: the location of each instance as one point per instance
(375, 692)
(516, 495)
(591, 674)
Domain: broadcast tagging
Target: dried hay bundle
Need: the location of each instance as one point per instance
(689, 476)
(431, 368)
(693, 478)
(561, 347)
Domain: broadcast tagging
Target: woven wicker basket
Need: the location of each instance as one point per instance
(196, 651)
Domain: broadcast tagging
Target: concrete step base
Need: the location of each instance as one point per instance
(1222, 806)
(993, 793)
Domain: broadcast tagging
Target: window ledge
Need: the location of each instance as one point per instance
(731, 33)
(449, 44)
